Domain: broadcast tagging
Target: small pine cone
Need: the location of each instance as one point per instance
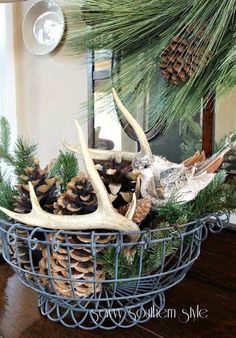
(79, 199)
(142, 210)
(46, 189)
(117, 177)
(181, 58)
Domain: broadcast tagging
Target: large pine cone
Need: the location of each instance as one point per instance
(79, 199)
(181, 58)
(45, 188)
(77, 263)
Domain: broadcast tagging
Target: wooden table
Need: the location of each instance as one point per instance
(210, 285)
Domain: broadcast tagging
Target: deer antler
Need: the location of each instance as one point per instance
(98, 154)
(144, 145)
(105, 217)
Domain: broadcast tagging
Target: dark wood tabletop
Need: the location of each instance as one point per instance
(207, 291)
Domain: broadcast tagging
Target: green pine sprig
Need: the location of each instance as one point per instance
(140, 30)
(150, 259)
(217, 196)
(22, 154)
(7, 195)
(66, 167)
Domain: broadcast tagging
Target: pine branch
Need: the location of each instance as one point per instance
(5, 141)
(24, 153)
(217, 196)
(152, 258)
(140, 30)
(156, 254)
(7, 195)
(173, 213)
(66, 167)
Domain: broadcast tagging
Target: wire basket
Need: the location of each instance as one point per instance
(113, 300)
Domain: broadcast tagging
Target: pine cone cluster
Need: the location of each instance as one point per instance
(181, 58)
(46, 189)
(79, 199)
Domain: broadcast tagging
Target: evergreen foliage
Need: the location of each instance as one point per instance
(7, 194)
(140, 30)
(152, 257)
(22, 154)
(66, 167)
(217, 196)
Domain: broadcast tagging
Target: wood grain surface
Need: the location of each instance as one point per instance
(209, 285)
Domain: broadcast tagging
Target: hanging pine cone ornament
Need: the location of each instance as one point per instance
(117, 177)
(79, 199)
(47, 189)
(181, 58)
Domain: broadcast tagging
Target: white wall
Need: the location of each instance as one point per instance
(49, 92)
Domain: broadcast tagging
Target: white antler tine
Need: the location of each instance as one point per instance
(133, 205)
(72, 147)
(100, 154)
(97, 183)
(34, 199)
(145, 147)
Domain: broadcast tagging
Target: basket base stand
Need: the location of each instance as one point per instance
(73, 316)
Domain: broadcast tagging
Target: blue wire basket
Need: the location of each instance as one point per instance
(94, 298)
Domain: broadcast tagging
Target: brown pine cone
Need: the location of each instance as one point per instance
(79, 264)
(79, 199)
(46, 189)
(142, 210)
(181, 58)
(117, 177)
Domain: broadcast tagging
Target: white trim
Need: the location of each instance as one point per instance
(7, 68)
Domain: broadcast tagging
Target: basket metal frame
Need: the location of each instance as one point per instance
(122, 302)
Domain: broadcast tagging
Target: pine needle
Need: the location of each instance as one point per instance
(217, 196)
(5, 141)
(23, 155)
(150, 259)
(140, 30)
(66, 167)
(7, 195)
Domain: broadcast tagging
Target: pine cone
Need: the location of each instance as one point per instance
(79, 199)
(20, 257)
(47, 192)
(46, 189)
(116, 175)
(79, 264)
(142, 210)
(181, 57)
